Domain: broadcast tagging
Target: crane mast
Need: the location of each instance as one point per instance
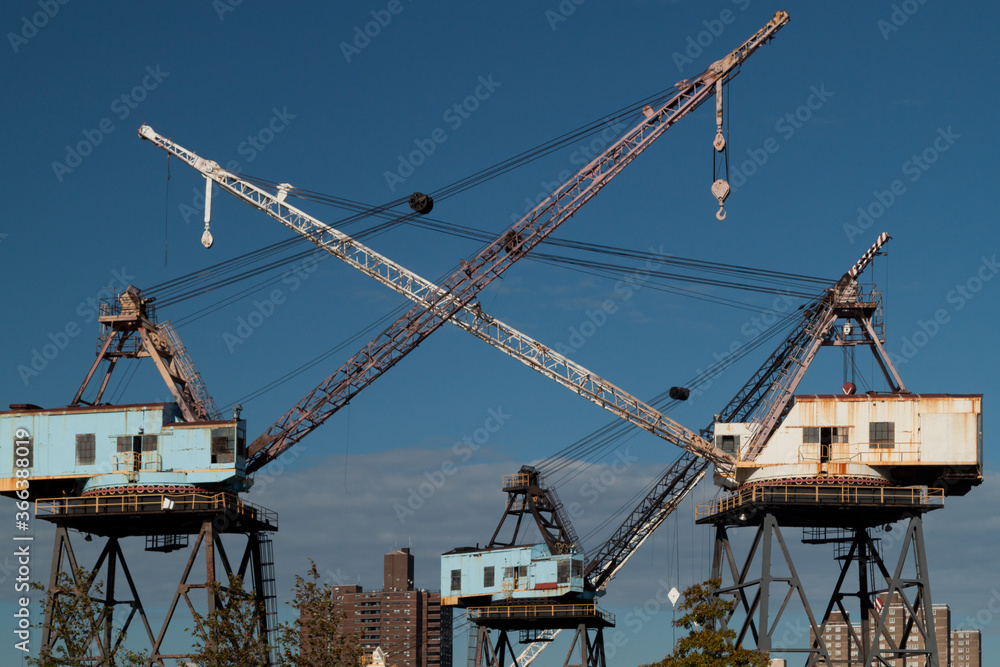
(457, 291)
(766, 398)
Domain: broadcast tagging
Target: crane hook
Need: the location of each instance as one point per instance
(721, 191)
(206, 238)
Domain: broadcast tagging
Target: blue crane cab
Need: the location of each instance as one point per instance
(472, 577)
(108, 448)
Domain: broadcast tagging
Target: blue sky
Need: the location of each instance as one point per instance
(858, 118)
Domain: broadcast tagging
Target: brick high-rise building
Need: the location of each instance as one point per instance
(409, 625)
(966, 648)
(838, 639)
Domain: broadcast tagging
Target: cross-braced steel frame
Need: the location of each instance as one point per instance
(756, 621)
(105, 638)
(589, 651)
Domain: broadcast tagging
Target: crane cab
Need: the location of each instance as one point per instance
(531, 573)
(106, 448)
(933, 440)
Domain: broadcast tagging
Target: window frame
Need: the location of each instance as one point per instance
(86, 447)
(882, 435)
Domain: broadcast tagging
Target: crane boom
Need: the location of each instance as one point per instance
(769, 390)
(401, 337)
(469, 317)
(766, 397)
(673, 486)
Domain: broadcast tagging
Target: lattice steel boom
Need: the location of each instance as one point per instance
(458, 291)
(468, 317)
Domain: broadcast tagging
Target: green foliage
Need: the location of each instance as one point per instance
(78, 619)
(314, 639)
(229, 636)
(705, 646)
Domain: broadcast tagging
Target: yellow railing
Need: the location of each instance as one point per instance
(910, 454)
(538, 611)
(841, 453)
(517, 479)
(853, 494)
(147, 462)
(135, 502)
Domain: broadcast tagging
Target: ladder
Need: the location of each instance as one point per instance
(269, 592)
(189, 372)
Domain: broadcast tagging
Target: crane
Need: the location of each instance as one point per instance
(769, 391)
(471, 317)
(460, 288)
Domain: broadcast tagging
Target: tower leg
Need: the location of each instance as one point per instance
(591, 653)
(757, 587)
(913, 594)
(106, 639)
(112, 569)
(753, 594)
(488, 654)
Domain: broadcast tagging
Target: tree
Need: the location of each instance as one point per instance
(78, 618)
(706, 646)
(229, 635)
(315, 639)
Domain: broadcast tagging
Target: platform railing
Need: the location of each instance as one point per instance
(147, 462)
(515, 480)
(538, 611)
(801, 494)
(115, 503)
(842, 452)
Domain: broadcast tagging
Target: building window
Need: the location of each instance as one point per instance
(882, 435)
(488, 574)
(124, 443)
(85, 449)
(562, 571)
(456, 580)
(815, 435)
(728, 443)
(223, 450)
(577, 568)
(149, 443)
